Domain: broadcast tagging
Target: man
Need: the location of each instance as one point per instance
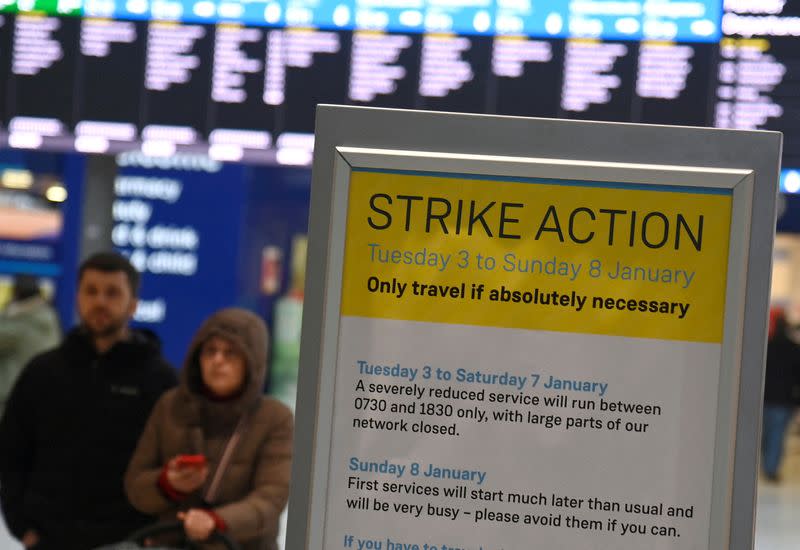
(74, 418)
(28, 326)
(781, 388)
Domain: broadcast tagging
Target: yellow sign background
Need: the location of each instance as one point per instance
(703, 322)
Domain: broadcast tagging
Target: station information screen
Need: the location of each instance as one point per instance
(239, 80)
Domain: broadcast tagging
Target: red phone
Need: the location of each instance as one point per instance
(190, 461)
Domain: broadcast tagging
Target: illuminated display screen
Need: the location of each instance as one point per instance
(691, 20)
(240, 80)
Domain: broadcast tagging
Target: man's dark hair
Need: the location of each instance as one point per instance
(112, 262)
(25, 286)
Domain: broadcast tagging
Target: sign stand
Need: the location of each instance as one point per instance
(524, 330)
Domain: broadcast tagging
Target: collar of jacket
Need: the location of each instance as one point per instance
(248, 333)
(213, 416)
(140, 345)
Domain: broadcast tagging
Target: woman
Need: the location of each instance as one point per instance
(216, 453)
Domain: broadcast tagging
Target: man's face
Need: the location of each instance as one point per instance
(105, 302)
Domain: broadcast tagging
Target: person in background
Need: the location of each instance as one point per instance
(74, 416)
(28, 326)
(216, 453)
(781, 393)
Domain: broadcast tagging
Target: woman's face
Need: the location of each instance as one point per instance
(222, 367)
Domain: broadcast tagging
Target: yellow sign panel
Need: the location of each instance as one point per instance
(621, 260)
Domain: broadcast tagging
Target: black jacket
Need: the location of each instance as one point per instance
(70, 427)
(782, 381)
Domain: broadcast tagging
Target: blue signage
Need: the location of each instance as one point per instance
(663, 20)
(693, 21)
(467, 17)
(394, 15)
(178, 227)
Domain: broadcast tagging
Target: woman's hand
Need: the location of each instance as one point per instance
(30, 539)
(186, 479)
(198, 524)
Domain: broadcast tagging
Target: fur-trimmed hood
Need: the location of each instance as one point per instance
(248, 334)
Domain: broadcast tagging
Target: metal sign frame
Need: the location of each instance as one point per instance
(747, 163)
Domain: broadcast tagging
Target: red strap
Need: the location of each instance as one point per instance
(166, 487)
(220, 524)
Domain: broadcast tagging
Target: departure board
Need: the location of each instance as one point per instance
(315, 66)
(177, 82)
(674, 83)
(6, 34)
(109, 81)
(527, 76)
(454, 73)
(237, 113)
(759, 70)
(682, 20)
(240, 80)
(41, 81)
(599, 79)
(384, 69)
